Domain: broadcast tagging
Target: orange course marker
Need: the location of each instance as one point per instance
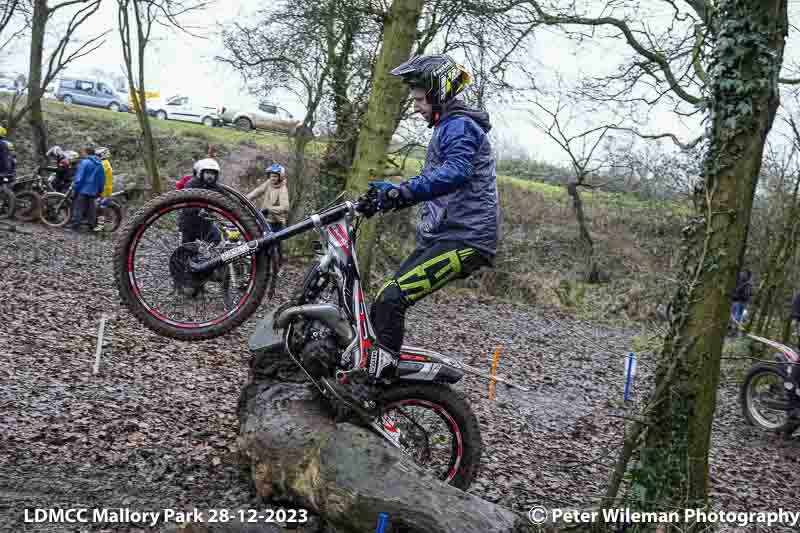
(494, 371)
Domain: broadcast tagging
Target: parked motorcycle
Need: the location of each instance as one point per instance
(334, 343)
(770, 392)
(56, 209)
(7, 197)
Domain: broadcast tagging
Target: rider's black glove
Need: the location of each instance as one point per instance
(391, 196)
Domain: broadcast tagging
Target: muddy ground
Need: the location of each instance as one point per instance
(156, 427)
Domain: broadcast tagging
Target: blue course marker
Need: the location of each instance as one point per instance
(383, 521)
(630, 372)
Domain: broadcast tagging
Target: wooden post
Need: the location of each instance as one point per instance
(494, 370)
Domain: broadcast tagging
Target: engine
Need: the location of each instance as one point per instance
(316, 345)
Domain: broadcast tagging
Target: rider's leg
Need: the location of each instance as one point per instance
(424, 272)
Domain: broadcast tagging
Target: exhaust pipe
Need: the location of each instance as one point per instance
(328, 314)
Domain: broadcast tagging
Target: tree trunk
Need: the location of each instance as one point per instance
(778, 267)
(590, 265)
(744, 98)
(38, 27)
(339, 154)
(343, 472)
(297, 185)
(384, 106)
(150, 150)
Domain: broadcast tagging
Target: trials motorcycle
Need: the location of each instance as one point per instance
(325, 328)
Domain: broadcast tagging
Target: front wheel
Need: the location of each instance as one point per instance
(152, 265)
(765, 401)
(436, 427)
(55, 209)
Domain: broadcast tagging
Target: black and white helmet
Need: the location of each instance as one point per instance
(439, 75)
(102, 152)
(207, 170)
(55, 152)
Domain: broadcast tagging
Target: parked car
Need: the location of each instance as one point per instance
(267, 116)
(90, 92)
(9, 86)
(183, 108)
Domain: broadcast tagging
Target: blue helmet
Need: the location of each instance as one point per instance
(275, 168)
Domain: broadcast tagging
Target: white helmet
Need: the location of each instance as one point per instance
(55, 152)
(207, 170)
(102, 152)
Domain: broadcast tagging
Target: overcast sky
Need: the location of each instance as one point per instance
(181, 64)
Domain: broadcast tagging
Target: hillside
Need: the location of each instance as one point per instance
(539, 256)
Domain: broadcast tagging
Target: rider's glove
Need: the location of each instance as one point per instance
(391, 196)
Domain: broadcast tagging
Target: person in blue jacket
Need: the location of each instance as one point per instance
(90, 179)
(459, 220)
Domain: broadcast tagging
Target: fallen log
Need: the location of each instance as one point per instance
(343, 472)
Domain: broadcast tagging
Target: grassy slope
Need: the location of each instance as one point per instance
(538, 257)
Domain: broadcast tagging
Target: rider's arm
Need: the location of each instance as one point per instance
(258, 191)
(459, 142)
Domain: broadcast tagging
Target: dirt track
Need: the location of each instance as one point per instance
(156, 428)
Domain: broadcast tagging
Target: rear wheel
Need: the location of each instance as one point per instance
(7, 203)
(152, 261)
(765, 401)
(436, 427)
(112, 217)
(244, 123)
(28, 206)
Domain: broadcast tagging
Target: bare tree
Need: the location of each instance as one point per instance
(60, 58)
(136, 20)
(581, 148)
(296, 48)
(14, 14)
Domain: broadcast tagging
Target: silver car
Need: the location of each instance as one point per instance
(90, 92)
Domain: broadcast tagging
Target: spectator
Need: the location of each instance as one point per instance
(103, 153)
(741, 295)
(8, 161)
(275, 205)
(89, 182)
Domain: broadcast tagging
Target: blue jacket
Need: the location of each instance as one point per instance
(458, 183)
(90, 178)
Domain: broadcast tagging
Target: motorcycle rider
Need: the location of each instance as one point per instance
(459, 221)
(192, 224)
(66, 166)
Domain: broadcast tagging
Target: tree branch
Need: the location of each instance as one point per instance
(654, 57)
